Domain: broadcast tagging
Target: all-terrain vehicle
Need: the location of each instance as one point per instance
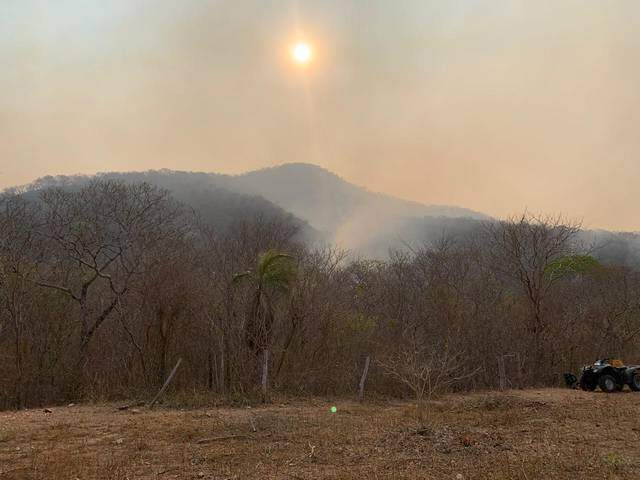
(609, 374)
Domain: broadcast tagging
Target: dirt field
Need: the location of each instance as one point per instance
(542, 434)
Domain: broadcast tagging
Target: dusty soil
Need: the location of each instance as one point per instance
(534, 434)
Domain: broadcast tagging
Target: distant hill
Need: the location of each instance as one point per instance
(335, 210)
(333, 205)
(220, 207)
(327, 208)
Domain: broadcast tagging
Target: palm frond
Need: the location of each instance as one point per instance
(238, 277)
(272, 258)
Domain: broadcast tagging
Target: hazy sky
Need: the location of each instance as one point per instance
(493, 105)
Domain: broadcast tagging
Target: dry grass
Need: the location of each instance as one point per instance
(550, 434)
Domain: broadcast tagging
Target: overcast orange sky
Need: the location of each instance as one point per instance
(495, 105)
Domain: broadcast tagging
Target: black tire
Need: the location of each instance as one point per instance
(587, 386)
(607, 384)
(634, 382)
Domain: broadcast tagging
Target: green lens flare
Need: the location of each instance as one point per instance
(334, 409)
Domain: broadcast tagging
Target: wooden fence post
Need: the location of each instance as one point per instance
(265, 374)
(363, 379)
(166, 384)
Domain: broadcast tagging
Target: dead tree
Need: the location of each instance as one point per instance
(521, 250)
(18, 256)
(427, 371)
(100, 237)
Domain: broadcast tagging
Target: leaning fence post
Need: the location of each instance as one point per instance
(265, 373)
(363, 379)
(166, 384)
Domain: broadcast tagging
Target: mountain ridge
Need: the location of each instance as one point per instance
(328, 208)
(341, 188)
(343, 213)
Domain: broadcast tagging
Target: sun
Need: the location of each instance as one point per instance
(302, 53)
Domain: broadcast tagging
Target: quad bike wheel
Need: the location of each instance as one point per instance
(608, 384)
(587, 386)
(634, 382)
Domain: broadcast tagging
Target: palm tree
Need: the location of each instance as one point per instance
(269, 282)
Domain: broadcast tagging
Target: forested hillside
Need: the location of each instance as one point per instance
(339, 212)
(104, 284)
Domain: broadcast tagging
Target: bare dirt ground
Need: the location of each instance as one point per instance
(533, 434)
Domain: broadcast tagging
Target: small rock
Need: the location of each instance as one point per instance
(201, 474)
(120, 441)
(135, 410)
(459, 476)
(46, 410)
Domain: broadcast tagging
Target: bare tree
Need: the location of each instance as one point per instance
(18, 220)
(523, 249)
(427, 371)
(101, 236)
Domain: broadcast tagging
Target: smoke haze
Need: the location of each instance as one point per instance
(491, 105)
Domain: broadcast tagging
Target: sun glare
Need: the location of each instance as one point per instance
(301, 53)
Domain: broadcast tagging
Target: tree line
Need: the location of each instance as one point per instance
(103, 286)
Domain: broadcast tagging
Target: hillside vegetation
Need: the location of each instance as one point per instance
(105, 284)
(339, 212)
(335, 212)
